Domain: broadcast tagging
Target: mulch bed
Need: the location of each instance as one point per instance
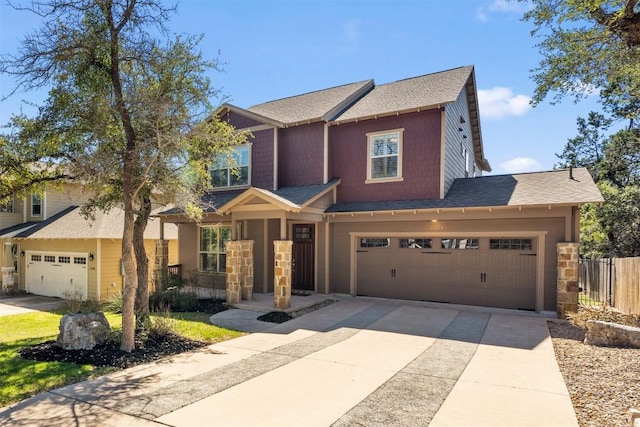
(109, 353)
(148, 347)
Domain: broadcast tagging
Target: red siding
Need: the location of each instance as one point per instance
(300, 155)
(420, 158)
(262, 159)
(239, 121)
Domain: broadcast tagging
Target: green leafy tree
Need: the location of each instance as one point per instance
(125, 115)
(588, 46)
(612, 229)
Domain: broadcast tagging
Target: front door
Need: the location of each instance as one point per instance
(303, 257)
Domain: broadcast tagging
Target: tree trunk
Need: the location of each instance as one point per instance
(142, 261)
(130, 278)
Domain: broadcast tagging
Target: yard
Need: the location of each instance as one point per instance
(603, 382)
(23, 378)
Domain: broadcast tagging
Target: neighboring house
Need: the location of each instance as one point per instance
(378, 188)
(62, 254)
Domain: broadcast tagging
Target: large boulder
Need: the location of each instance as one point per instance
(83, 331)
(611, 334)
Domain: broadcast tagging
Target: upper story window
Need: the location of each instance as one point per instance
(384, 156)
(36, 205)
(7, 207)
(232, 169)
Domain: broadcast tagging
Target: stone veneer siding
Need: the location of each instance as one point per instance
(282, 273)
(239, 280)
(567, 290)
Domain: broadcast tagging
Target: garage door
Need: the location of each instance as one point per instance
(57, 274)
(492, 271)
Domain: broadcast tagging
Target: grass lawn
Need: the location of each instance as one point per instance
(21, 378)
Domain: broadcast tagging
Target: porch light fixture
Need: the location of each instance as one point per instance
(21, 253)
(90, 257)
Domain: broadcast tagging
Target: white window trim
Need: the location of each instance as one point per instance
(41, 205)
(217, 253)
(370, 136)
(248, 184)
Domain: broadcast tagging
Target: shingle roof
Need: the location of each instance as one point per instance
(300, 195)
(529, 189)
(313, 106)
(417, 92)
(15, 229)
(70, 224)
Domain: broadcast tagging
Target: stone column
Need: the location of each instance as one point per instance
(246, 282)
(282, 273)
(161, 263)
(567, 288)
(234, 272)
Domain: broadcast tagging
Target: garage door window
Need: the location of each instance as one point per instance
(36, 258)
(459, 243)
(64, 260)
(375, 243)
(511, 244)
(79, 260)
(49, 258)
(415, 243)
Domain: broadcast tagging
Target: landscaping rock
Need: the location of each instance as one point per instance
(83, 331)
(611, 334)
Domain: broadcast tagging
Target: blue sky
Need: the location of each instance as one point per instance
(275, 49)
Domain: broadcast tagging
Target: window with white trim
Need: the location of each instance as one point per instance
(36, 205)
(384, 156)
(212, 250)
(232, 169)
(7, 206)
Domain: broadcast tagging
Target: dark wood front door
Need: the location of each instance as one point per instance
(303, 256)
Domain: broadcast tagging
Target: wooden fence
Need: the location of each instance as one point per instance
(627, 285)
(611, 281)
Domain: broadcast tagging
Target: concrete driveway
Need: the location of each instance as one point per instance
(356, 362)
(28, 303)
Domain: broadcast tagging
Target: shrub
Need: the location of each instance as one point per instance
(161, 324)
(75, 304)
(174, 299)
(114, 304)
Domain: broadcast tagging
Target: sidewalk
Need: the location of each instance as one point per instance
(356, 361)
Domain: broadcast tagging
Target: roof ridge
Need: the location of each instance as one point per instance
(309, 93)
(425, 75)
(525, 173)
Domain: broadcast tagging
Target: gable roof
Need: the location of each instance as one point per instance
(527, 189)
(411, 94)
(313, 106)
(70, 224)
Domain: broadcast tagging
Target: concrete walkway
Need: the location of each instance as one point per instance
(354, 362)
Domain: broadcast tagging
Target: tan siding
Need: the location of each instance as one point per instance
(188, 247)
(320, 257)
(10, 219)
(323, 202)
(62, 245)
(454, 160)
(58, 200)
(111, 279)
(255, 232)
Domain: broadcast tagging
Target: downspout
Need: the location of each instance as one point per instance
(275, 158)
(325, 172)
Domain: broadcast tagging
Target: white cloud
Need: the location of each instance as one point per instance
(520, 164)
(351, 31)
(499, 102)
(502, 6)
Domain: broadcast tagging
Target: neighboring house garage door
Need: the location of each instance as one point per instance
(494, 272)
(57, 274)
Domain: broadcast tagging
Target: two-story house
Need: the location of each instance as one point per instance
(49, 248)
(378, 190)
